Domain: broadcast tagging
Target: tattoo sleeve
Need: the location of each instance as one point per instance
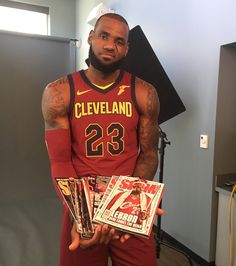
(148, 133)
(54, 106)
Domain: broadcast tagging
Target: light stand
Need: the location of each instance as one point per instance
(163, 142)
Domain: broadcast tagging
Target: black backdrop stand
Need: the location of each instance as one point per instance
(163, 142)
(158, 237)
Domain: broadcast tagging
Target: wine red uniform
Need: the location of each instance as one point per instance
(104, 142)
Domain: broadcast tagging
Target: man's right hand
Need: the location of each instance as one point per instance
(102, 235)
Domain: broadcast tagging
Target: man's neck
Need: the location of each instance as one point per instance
(102, 79)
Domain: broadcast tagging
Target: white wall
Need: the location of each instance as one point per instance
(186, 36)
(82, 28)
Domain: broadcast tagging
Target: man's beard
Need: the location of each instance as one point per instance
(105, 68)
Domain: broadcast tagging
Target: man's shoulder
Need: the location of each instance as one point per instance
(59, 83)
(59, 86)
(145, 92)
(143, 85)
(56, 93)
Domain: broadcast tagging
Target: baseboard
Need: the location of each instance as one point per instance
(176, 244)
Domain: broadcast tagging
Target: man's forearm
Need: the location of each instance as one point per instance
(59, 150)
(146, 165)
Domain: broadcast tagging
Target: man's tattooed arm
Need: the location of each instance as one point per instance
(55, 103)
(148, 130)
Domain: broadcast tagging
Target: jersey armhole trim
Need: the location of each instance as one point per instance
(72, 94)
(133, 94)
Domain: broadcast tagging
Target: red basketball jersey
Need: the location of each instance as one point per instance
(103, 126)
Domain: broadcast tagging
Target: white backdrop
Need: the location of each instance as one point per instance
(30, 213)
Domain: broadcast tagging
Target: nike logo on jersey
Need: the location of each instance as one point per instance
(122, 89)
(82, 92)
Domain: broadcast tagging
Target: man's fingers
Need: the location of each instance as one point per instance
(124, 237)
(110, 236)
(159, 211)
(85, 243)
(116, 236)
(75, 239)
(74, 244)
(104, 234)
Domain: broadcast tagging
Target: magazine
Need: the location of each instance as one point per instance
(85, 209)
(65, 187)
(110, 182)
(126, 203)
(101, 185)
(75, 196)
(96, 187)
(131, 205)
(89, 183)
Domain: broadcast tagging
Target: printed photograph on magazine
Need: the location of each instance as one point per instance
(131, 205)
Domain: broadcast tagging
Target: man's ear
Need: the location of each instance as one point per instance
(90, 37)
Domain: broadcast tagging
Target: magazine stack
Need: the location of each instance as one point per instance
(126, 203)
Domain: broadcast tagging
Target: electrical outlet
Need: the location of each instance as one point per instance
(204, 141)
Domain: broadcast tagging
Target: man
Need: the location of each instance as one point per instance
(102, 121)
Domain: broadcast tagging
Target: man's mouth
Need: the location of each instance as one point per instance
(107, 56)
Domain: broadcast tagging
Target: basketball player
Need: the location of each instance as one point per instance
(102, 121)
(133, 202)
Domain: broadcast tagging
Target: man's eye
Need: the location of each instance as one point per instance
(103, 36)
(120, 42)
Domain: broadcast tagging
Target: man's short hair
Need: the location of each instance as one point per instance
(114, 16)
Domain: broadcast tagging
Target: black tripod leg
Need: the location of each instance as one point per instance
(163, 142)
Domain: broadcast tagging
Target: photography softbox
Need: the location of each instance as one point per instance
(143, 62)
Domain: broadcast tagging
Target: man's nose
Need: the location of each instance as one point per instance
(109, 45)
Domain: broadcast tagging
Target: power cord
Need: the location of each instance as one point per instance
(164, 243)
(231, 207)
(180, 251)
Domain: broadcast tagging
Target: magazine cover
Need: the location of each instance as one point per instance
(74, 196)
(84, 204)
(131, 205)
(108, 184)
(89, 183)
(66, 187)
